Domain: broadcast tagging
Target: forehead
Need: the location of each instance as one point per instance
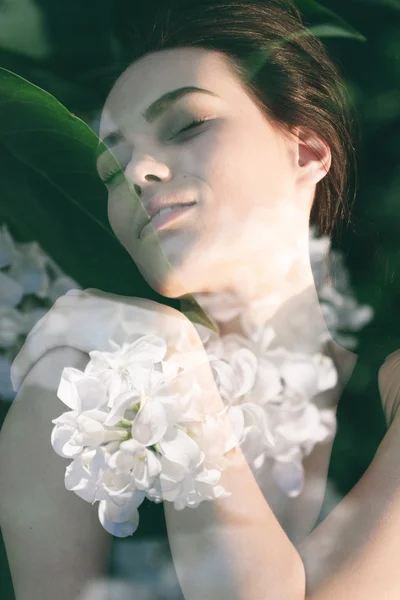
(150, 77)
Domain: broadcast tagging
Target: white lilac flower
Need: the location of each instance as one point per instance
(319, 251)
(140, 461)
(7, 247)
(6, 389)
(11, 292)
(186, 487)
(60, 286)
(120, 521)
(28, 268)
(12, 325)
(144, 421)
(132, 429)
(32, 317)
(343, 311)
(74, 431)
(90, 477)
(26, 271)
(238, 382)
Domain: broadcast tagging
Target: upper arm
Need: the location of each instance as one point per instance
(389, 385)
(54, 541)
(354, 553)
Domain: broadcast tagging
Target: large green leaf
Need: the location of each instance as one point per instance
(51, 192)
(323, 23)
(316, 12)
(50, 189)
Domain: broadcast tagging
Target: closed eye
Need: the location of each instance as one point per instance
(187, 128)
(109, 176)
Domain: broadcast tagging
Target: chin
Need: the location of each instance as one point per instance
(171, 267)
(176, 282)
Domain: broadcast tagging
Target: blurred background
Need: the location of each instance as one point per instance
(74, 51)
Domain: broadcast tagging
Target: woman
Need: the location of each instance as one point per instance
(237, 124)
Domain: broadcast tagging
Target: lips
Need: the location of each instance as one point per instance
(165, 204)
(159, 203)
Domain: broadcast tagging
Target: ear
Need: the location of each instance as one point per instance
(313, 159)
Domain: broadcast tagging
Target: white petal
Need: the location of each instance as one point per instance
(289, 476)
(91, 432)
(258, 418)
(60, 441)
(170, 368)
(12, 324)
(6, 389)
(224, 379)
(146, 467)
(67, 391)
(209, 476)
(236, 418)
(268, 382)
(60, 286)
(244, 364)
(91, 392)
(32, 317)
(223, 306)
(300, 375)
(7, 247)
(79, 481)
(148, 347)
(328, 423)
(11, 291)
(117, 528)
(120, 404)
(301, 427)
(122, 461)
(150, 423)
(179, 448)
(326, 370)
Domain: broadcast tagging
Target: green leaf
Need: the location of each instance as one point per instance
(51, 191)
(336, 31)
(193, 311)
(314, 10)
(334, 26)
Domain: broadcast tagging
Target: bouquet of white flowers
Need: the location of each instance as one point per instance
(142, 424)
(139, 427)
(30, 282)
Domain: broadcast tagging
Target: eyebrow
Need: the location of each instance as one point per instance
(154, 111)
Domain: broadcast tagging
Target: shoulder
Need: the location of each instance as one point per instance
(36, 404)
(46, 373)
(344, 360)
(389, 385)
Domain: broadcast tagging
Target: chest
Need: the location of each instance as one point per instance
(297, 516)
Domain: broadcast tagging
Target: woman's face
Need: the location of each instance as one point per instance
(187, 133)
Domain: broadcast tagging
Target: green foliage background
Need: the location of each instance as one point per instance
(74, 51)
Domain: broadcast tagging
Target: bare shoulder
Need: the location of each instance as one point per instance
(345, 360)
(27, 427)
(46, 528)
(38, 393)
(389, 386)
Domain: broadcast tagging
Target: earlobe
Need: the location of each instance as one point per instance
(314, 155)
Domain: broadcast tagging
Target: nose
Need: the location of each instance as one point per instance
(142, 172)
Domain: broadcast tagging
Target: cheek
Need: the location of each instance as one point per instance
(120, 216)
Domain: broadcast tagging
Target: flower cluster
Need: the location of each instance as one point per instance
(270, 398)
(138, 428)
(342, 312)
(30, 282)
(142, 423)
(271, 393)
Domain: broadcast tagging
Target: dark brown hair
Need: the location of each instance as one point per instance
(285, 69)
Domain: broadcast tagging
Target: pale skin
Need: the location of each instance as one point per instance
(274, 176)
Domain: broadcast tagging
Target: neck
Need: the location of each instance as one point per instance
(285, 299)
